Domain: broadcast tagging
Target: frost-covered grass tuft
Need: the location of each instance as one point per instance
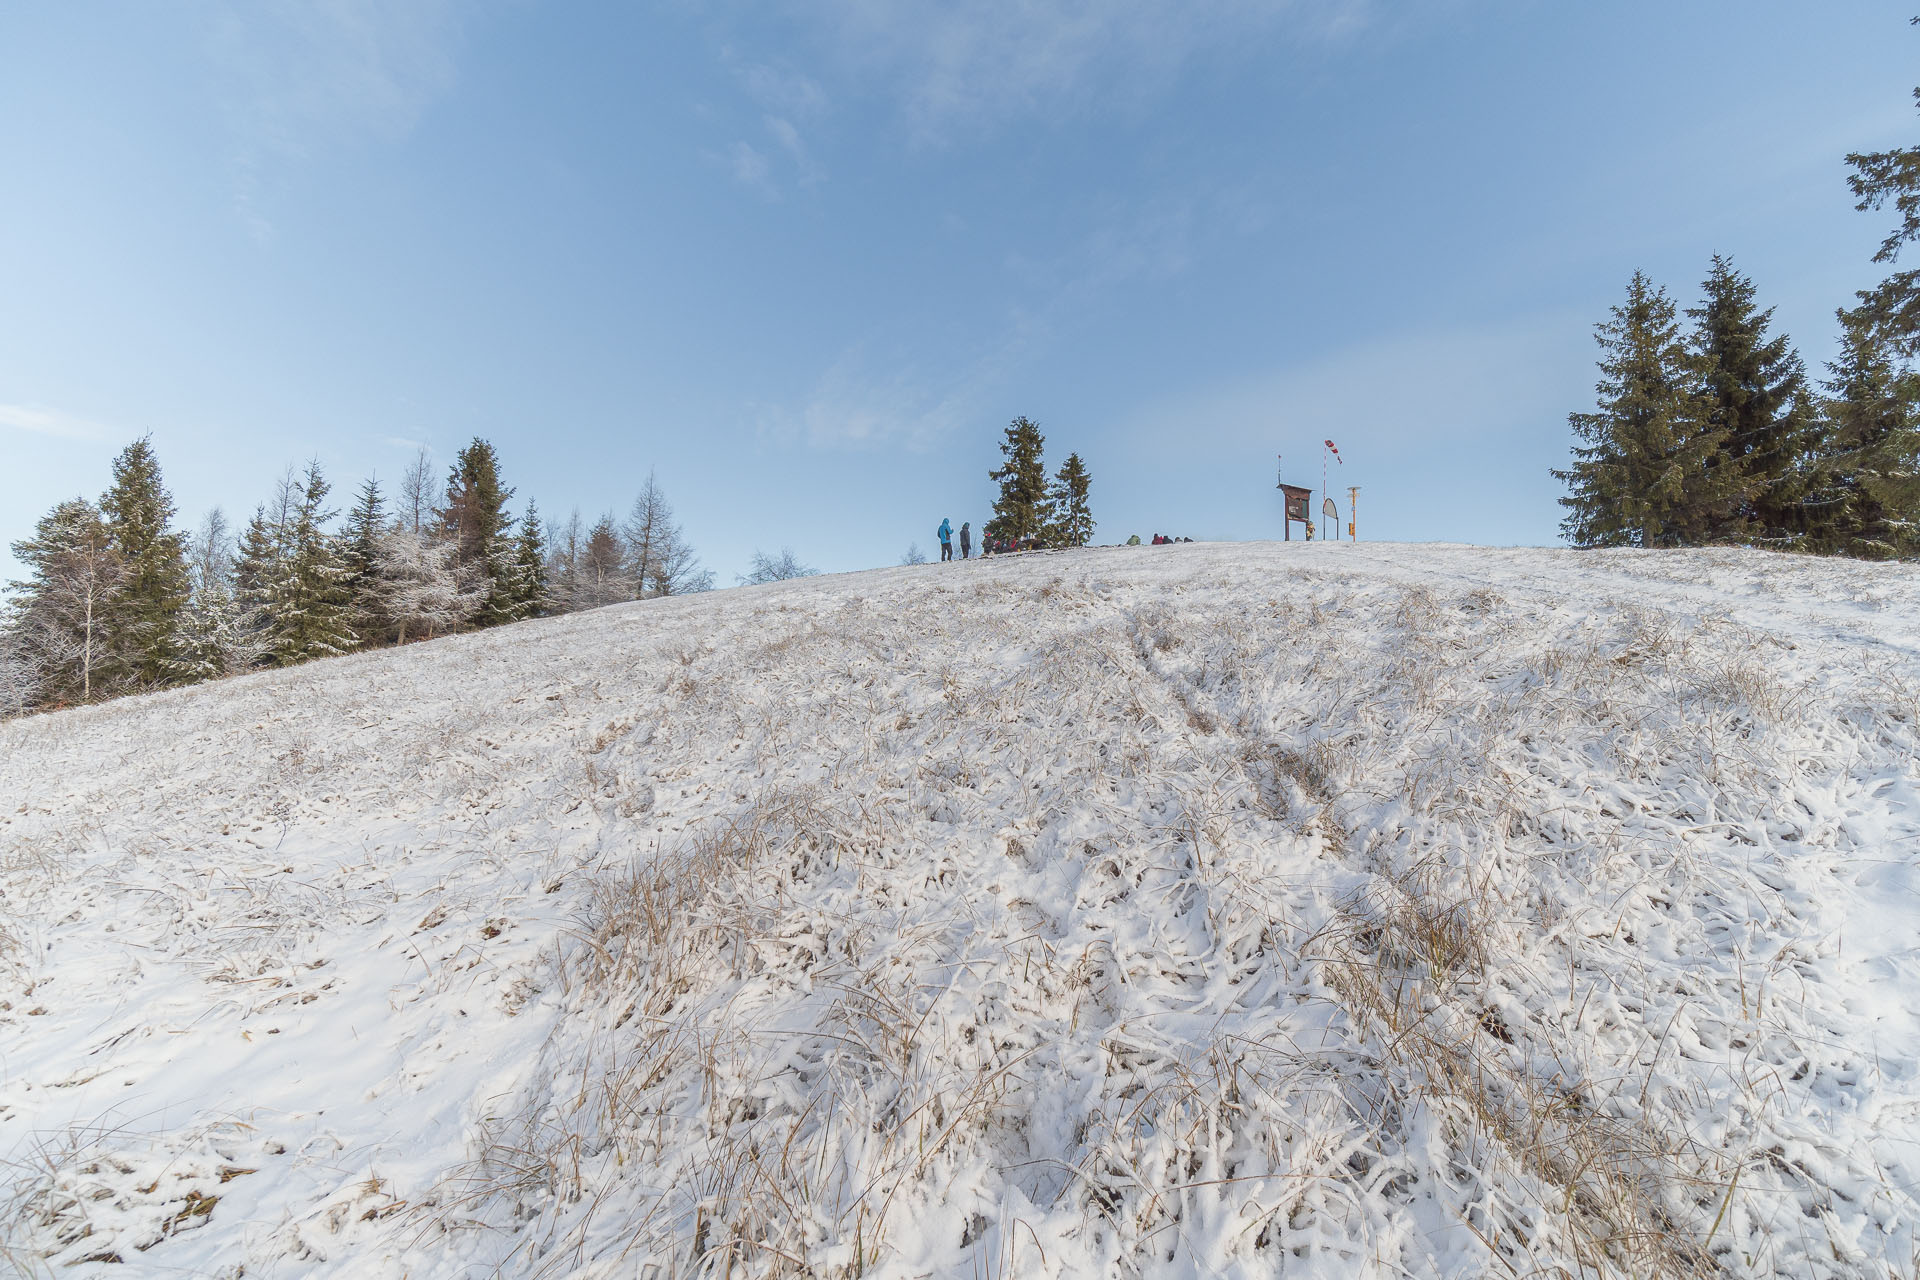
(1190, 912)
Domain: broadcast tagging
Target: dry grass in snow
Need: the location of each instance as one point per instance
(1174, 912)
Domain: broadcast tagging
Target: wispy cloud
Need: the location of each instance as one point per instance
(859, 401)
(50, 422)
(779, 89)
(960, 65)
(755, 168)
(884, 396)
(301, 75)
(795, 146)
(750, 169)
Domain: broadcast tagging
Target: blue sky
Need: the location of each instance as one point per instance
(805, 259)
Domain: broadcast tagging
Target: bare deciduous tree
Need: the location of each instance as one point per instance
(417, 493)
(766, 568)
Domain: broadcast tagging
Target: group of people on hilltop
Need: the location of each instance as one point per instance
(988, 546)
(1001, 546)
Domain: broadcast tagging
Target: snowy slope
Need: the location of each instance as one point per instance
(1187, 911)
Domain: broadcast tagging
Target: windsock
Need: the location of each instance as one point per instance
(1336, 453)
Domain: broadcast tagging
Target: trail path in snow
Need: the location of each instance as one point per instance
(1181, 911)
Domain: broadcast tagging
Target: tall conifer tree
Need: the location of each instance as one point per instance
(1756, 393)
(144, 649)
(1880, 178)
(1072, 514)
(1641, 476)
(360, 555)
(1867, 499)
(1022, 510)
(475, 517)
(530, 599)
(309, 607)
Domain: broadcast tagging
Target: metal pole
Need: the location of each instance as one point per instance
(1353, 506)
(1280, 483)
(1324, 495)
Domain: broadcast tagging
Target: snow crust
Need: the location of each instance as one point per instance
(1194, 911)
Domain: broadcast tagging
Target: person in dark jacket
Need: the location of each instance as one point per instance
(966, 540)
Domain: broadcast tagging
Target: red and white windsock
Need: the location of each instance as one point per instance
(1335, 450)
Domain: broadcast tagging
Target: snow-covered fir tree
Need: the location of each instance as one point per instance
(359, 544)
(214, 638)
(423, 589)
(308, 610)
(143, 625)
(529, 581)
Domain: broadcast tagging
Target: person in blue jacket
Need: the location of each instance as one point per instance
(946, 538)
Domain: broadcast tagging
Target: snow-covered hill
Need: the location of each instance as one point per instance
(1187, 911)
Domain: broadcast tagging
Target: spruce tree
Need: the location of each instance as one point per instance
(63, 613)
(260, 566)
(475, 517)
(360, 555)
(530, 599)
(1022, 511)
(309, 608)
(256, 565)
(1880, 178)
(1073, 517)
(1642, 476)
(144, 624)
(1756, 393)
(1867, 499)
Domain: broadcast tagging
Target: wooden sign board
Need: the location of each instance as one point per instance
(1299, 506)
